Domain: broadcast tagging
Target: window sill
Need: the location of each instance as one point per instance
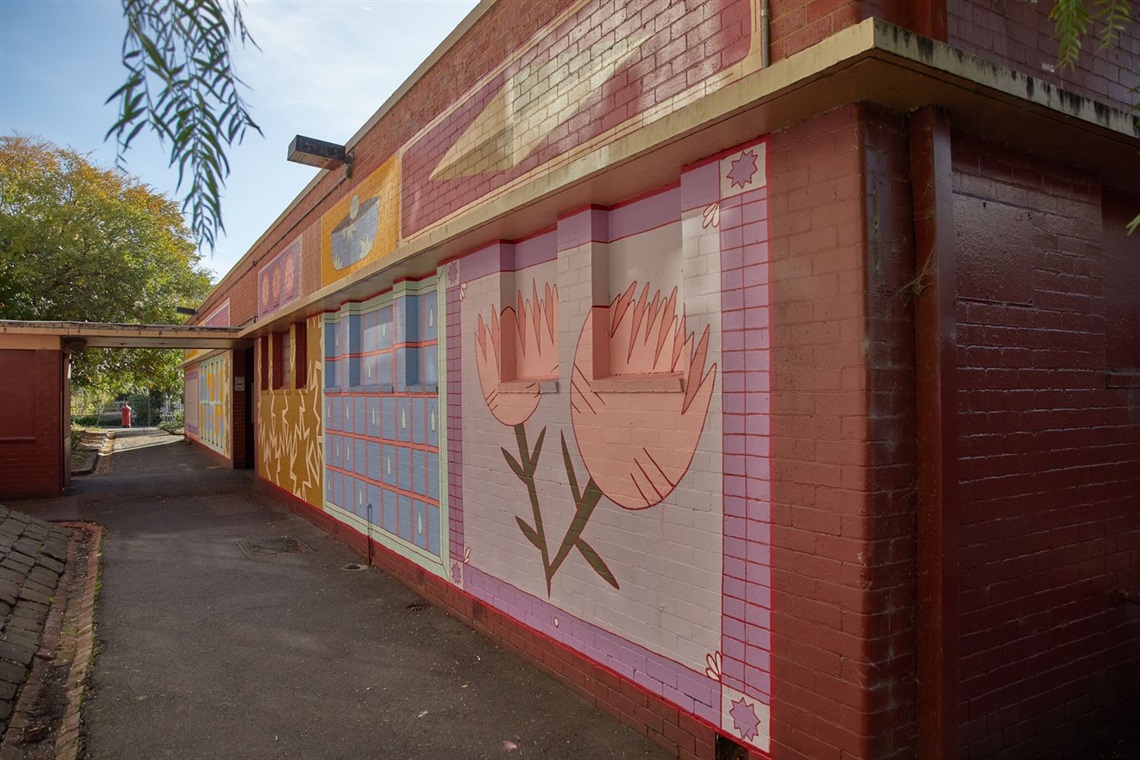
(648, 383)
(545, 385)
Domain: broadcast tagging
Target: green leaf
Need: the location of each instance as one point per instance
(530, 533)
(596, 562)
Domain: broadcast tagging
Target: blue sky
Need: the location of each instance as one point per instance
(324, 68)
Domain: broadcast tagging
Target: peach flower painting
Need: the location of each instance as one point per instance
(637, 426)
(638, 446)
(516, 352)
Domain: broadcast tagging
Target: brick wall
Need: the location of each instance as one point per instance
(1020, 35)
(842, 440)
(1049, 463)
(31, 436)
(799, 24)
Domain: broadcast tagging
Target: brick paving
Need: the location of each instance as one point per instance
(32, 557)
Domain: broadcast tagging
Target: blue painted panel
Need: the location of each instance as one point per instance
(410, 365)
(419, 420)
(388, 418)
(372, 423)
(369, 329)
(330, 339)
(405, 527)
(345, 416)
(384, 321)
(419, 524)
(391, 517)
(360, 456)
(429, 319)
(384, 368)
(388, 464)
(360, 416)
(332, 486)
(404, 423)
(336, 416)
(375, 499)
(355, 333)
(331, 371)
(411, 314)
(332, 449)
(433, 421)
(430, 358)
(433, 529)
(404, 474)
(346, 454)
(352, 376)
(433, 475)
(374, 461)
(419, 472)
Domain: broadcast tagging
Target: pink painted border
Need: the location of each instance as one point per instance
(746, 621)
(691, 691)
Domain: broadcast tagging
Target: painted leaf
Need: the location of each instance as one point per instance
(596, 562)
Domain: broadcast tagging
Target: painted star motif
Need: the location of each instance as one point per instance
(743, 169)
(744, 719)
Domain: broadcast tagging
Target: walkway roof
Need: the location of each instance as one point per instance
(79, 335)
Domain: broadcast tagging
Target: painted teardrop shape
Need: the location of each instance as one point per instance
(433, 419)
(431, 317)
(388, 464)
(403, 418)
(420, 523)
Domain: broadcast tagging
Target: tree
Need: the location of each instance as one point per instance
(1072, 20)
(81, 243)
(181, 84)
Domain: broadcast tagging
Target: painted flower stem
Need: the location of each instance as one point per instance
(524, 471)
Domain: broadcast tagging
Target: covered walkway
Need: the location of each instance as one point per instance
(229, 627)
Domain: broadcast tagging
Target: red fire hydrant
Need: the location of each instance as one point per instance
(126, 415)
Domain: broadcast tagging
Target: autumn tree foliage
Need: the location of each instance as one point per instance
(83, 243)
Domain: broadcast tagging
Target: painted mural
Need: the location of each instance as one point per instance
(279, 281)
(214, 403)
(363, 226)
(290, 454)
(580, 84)
(383, 425)
(190, 402)
(609, 486)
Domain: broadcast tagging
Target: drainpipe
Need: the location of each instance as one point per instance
(765, 25)
(937, 435)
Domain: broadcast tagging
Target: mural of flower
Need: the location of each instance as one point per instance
(638, 446)
(523, 340)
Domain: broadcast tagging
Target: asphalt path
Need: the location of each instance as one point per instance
(207, 652)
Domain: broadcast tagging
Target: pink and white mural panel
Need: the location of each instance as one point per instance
(607, 397)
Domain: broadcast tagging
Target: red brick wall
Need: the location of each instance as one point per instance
(1020, 35)
(1049, 465)
(842, 428)
(799, 24)
(31, 459)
